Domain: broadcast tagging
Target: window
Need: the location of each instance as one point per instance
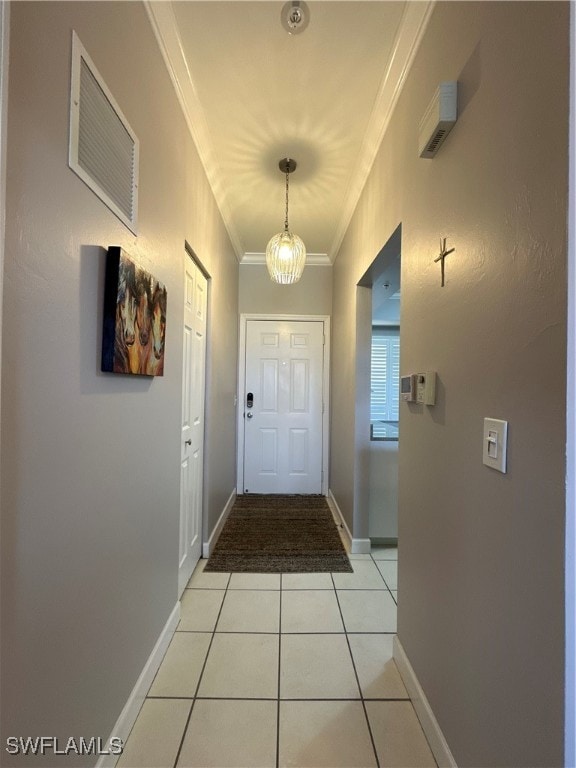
(385, 383)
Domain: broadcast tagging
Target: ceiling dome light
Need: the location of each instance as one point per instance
(295, 16)
(286, 253)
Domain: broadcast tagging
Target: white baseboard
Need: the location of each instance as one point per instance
(436, 740)
(208, 546)
(338, 517)
(355, 546)
(133, 706)
(361, 547)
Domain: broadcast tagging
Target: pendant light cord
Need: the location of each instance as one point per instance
(286, 219)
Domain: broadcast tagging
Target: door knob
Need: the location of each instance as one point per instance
(249, 415)
(188, 442)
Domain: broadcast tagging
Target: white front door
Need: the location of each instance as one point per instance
(192, 433)
(283, 429)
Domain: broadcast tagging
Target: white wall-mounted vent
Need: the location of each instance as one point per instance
(103, 148)
(439, 119)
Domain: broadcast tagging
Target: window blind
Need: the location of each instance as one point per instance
(385, 375)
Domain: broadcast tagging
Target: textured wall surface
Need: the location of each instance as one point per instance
(90, 461)
(311, 295)
(481, 593)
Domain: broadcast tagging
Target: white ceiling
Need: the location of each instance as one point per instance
(386, 295)
(253, 94)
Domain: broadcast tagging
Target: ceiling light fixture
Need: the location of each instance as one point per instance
(286, 253)
(295, 16)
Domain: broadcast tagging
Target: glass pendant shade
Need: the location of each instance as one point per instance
(285, 258)
(286, 253)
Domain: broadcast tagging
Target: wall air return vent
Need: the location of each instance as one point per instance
(439, 119)
(103, 148)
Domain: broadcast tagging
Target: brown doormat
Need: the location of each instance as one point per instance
(279, 534)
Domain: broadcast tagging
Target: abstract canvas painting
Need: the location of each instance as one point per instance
(134, 318)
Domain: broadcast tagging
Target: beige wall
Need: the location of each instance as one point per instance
(481, 554)
(90, 462)
(311, 295)
(383, 493)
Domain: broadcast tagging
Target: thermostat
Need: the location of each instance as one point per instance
(426, 387)
(408, 388)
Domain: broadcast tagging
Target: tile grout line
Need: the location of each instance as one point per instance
(201, 675)
(228, 589)
(262, 698)
(380, 573)
(356, 676)
(279, 677)
(345, 698)
(309, 632)
(384, 580)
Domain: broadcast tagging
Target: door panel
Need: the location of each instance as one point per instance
(269, 386)
(192, 433)
(298, 451)
(299, 386)
(269, 451)
(283, 428)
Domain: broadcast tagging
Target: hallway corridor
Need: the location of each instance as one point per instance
(282, 670)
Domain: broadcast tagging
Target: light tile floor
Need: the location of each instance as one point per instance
(282, 670)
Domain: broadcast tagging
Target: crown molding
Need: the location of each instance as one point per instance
(165, 29)
(410, 33)
(312, 259)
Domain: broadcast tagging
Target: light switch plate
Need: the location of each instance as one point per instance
(495, 444)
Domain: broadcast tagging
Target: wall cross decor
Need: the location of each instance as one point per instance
(442, 256)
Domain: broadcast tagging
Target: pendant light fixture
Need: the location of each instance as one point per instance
(286, 253)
